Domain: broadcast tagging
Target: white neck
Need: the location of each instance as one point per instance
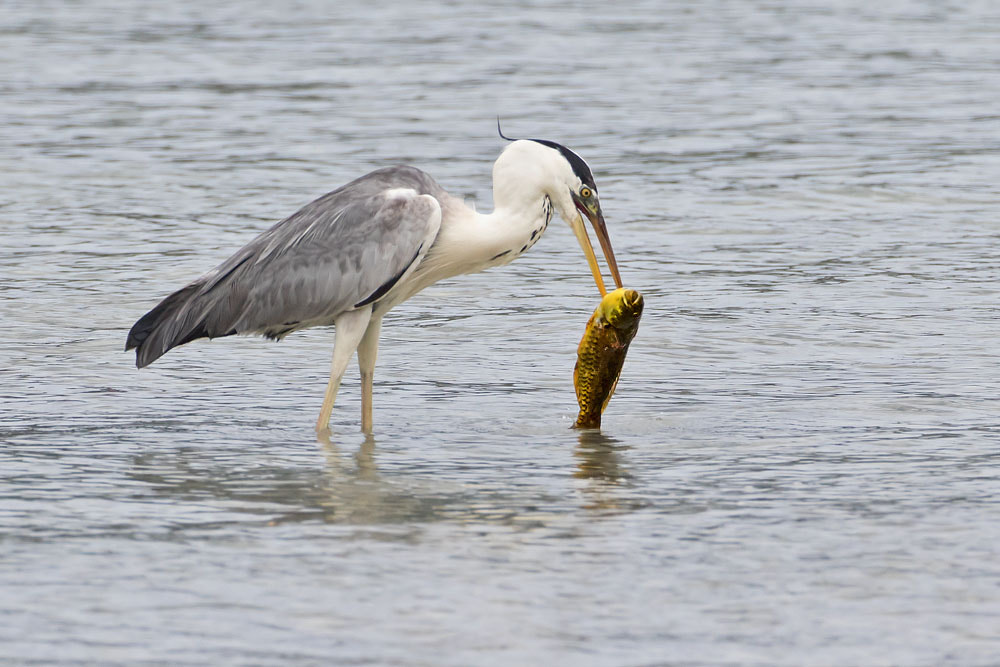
(526, 193)
(470, 242)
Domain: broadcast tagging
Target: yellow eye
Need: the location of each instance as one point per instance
(585, 193)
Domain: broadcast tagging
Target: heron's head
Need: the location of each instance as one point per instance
(566, 179)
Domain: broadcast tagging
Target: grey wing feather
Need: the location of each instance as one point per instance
(329, 257)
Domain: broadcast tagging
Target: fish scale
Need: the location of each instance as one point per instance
(602, 351)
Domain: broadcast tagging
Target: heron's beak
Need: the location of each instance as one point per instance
(596, 218)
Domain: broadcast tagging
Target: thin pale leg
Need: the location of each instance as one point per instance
(367, 352)
(351, 328)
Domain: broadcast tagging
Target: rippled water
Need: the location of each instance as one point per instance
(800, 465)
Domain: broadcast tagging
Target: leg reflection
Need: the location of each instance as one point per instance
(355, 493)
(364, 459)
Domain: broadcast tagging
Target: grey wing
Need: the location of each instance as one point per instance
(331, 266)
(341, 252)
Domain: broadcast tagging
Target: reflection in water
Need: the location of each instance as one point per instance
(349, 488)
(364, 458)
(598, 457)
(355, 493)
(599, 460)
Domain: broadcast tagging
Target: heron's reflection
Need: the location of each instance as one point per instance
(354, 492)
(364, 458)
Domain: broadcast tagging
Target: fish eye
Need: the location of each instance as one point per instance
(585, 193)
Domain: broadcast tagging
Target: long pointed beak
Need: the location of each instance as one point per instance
(609, 254)
(588, 251)
(601, 229)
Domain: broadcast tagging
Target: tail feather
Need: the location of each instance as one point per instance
(178, 319)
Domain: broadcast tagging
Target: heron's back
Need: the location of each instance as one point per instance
(330, 256)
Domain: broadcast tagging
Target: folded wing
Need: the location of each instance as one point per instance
(342, 251)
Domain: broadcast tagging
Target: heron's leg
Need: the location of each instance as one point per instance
(351, 328)
(367, 352)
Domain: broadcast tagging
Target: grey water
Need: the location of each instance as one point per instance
(800, 466)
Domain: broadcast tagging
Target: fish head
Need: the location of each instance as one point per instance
(622, 308)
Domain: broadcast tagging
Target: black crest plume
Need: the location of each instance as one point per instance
(500, 132)
(580, 167)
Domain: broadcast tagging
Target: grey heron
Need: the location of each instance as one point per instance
(348, 257)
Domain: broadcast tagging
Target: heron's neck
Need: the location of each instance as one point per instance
(522, 210)
(514, 229)
(469, 241)
(518, 221)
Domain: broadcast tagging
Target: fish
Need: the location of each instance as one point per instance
(601, 353)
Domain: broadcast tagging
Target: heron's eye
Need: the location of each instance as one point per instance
(585, 193)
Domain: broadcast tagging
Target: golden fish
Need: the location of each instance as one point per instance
(602, 351)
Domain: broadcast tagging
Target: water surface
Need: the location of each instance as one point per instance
(800, 465)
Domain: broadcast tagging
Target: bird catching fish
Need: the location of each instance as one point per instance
(350, 256)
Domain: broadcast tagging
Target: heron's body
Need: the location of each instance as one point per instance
(348, 257)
